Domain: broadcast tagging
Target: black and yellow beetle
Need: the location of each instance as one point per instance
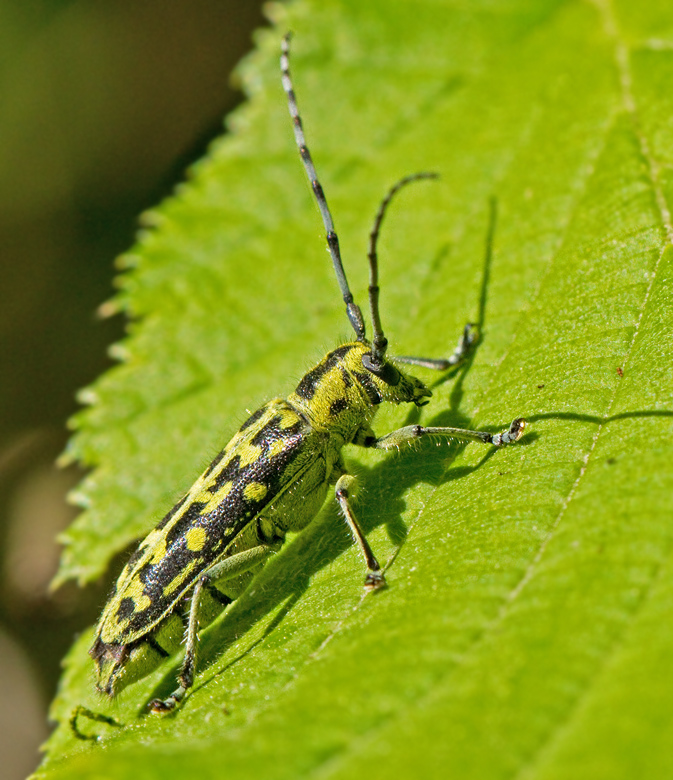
(271, 478)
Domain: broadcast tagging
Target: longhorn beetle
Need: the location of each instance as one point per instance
(271, 478)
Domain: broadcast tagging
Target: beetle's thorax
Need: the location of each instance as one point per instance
(340, 395)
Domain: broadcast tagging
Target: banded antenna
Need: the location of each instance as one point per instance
(375, 363)
(352, 309)
(379, 341)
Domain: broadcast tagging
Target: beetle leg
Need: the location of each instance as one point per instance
(468, 338)
(222, 570)
(413, 432)
(374, 579)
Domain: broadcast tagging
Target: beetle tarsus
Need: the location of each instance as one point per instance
(375, 581)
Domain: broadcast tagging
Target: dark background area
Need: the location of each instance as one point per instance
(103, 106)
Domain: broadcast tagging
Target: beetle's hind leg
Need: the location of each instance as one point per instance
(222, 570)
(374, 579)
(468, 338)
(186, 676)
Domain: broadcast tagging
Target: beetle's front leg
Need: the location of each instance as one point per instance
(411, 433)
(222, 570)
(468, 338)
(374, 579)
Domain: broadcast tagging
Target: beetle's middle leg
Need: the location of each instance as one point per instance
(225, 569)
(374, 579)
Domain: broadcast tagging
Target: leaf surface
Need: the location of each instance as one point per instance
(526, 632)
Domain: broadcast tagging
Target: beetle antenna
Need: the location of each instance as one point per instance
(352, 309)
(379, 341)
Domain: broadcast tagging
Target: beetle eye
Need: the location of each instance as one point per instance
(384, 371)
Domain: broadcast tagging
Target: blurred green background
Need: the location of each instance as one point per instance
(103, 106)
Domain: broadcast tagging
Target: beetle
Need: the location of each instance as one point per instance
(272, 477)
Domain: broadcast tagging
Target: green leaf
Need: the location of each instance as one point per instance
(527, 628)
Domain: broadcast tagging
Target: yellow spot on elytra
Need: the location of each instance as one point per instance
(276, 448)
(255, 491)
(200, 490)
(119, 628)
(249, 453)
(128, 571)
(143, 603)
(174, 584)
(287, 418)
(134, 591)
(234, 441)
(123, 577)
(151, 538)
(216, 499)
(195, 538)
(159, 553)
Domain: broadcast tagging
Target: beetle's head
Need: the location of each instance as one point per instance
(393, 384)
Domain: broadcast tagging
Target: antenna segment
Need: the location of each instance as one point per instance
(379, 341)
(352, 309)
